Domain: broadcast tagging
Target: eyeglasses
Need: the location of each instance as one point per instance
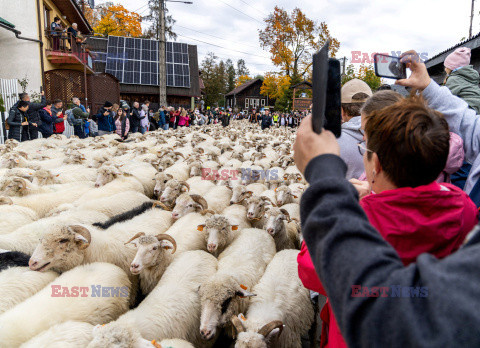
(362, 149)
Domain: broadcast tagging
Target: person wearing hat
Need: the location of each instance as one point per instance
(354, 94)
(106, 124)
(462, 79)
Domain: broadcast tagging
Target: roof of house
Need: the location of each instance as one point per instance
(243, 87)
(7, 23)
(472, 43)
(307, 83)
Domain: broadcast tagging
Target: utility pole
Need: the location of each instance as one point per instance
(162, 67)
(471, 20)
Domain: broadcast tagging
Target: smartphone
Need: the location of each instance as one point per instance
(326, 93)
(389, 67)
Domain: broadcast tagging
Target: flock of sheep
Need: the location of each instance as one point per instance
(169, 239)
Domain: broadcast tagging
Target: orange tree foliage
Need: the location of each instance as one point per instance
(275, 86)
(292, 39)
(365, 73)
(241, 80)
(117, 20)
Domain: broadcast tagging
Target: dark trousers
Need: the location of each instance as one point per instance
(33, 132)
(134, 129)
(79, 131)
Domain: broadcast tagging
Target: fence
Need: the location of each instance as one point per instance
(9, 93)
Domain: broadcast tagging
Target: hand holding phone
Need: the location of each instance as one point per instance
(389, 67)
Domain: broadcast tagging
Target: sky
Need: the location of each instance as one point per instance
(368, 26)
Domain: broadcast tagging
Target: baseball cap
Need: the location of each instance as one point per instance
(355, 91)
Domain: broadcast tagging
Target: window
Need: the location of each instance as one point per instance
(263, 102)
(46, 17)
(246, 103)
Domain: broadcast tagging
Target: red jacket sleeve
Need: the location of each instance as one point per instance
(307, 273)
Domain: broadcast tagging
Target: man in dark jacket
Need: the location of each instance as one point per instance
(49, 117)
(135, 118)
(106, 124)
(80, 118)
(33, 116)
(266, 120)
(18, 122)
(438, 302)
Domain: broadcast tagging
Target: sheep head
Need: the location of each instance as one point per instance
(186, 204)
(218, 233)
(150, 250)
(265, 337)
(196, 168)
(239, 194)
(274, 220)
(284, 195)
(173, 189)
(61, 249)
(161, 180)
(12, 160)
(15, 187)
(106, 174)
(220, 298)
(44, 177)
(117, 334)
(165, 163)
(256, 207)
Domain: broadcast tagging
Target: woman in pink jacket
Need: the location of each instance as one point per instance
(406, 148)
(183, 118)
(122, 124)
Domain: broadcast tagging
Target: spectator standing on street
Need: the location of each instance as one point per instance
(106, 124)
(266, 120)
(144, 122)
(135, 118)
(49, 117)
(32, 115)
(17, 121)
(122, 124)
(59, 125)
(79, 119)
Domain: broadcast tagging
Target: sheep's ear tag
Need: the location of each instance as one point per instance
(155, 344)
(295, 196)
(275, 189)
(242, 317)
(58, 175)
(200, 228)
(243, 287)
(17, 161)
(234, 228)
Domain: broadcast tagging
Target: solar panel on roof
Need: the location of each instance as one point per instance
(135, 61)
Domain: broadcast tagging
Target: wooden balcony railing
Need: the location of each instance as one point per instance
(64, 48)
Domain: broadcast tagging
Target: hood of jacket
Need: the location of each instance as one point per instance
(353, 127)
(433, 219)
(468, 73)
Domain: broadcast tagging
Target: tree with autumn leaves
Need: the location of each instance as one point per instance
(111, 19)
(365, 73)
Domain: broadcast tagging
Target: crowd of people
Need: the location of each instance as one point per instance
(414, 227)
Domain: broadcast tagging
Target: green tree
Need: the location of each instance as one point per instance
(365, 73)
(230, 75)
(242, 69)
(153, 30)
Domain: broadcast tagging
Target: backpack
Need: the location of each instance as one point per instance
(72, 121)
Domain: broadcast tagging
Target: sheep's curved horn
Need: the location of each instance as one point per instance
(167, 237)
(285, 212)
(200, 200)
(84, 232)
(237, 324)
(161, 205)
(6, 201)
(21, 182)
(183, 183)
(207, 211)
(267, 328)
(139, 234)
(179, 154)
(268, 199)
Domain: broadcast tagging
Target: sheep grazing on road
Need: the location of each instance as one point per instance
(279, 225)
(240, 267)
(172, 309)
(151, 259)
(281, 312)
(27, 319)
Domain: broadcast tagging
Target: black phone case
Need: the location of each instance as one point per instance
(404, 69)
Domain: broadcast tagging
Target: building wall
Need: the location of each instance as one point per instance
(20, 58)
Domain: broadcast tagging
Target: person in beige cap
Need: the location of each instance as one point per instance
(354, 94)
(462, 79)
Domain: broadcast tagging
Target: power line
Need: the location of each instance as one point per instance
(236, 9)
(256, 9)
(247, 62)
(216, 37)
(229, 49)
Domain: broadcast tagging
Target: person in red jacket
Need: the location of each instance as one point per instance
(406, 148)
(59, 126)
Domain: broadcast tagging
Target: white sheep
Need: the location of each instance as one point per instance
(15, 216)
(172, 309)
(240, 267)
(67, 334)
(281, 312)
(19, 283)
(101, 305)
(279, 225)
